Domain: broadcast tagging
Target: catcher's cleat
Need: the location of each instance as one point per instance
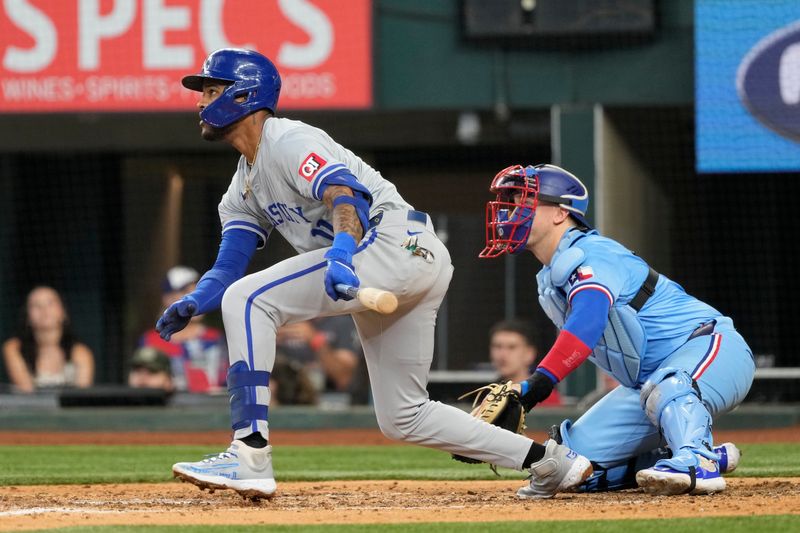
(662, 479)
(560, 470)
(246, 470)
(729, 456)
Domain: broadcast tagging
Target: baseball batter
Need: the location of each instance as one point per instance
(349, 226)
(679, 361)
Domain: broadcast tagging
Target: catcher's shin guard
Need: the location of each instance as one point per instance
(672, 403)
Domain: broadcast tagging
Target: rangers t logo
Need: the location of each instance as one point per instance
(310, 166)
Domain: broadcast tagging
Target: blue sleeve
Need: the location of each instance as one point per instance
(362, 199)
(235, 251)
(589, 315)
(342, 176)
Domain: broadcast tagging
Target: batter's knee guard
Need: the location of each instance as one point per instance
(673, 404)
(242, 383)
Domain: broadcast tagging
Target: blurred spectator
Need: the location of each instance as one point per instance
(329, 350)
(513, 353)
(150, 369)
(45, 353)
(198, 354)
(289, 383)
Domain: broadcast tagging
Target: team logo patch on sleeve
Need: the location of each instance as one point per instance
(310, 166)
(582, 273)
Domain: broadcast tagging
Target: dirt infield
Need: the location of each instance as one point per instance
(333, 437)
(351, 502)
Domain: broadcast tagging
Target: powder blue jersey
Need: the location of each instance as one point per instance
(627, 424)
(670, 314)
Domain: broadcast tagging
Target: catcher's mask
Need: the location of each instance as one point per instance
(519, 191)
(510, 215)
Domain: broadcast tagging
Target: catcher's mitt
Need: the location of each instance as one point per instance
(498, 404)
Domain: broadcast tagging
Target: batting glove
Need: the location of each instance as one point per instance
(176, 317)
(340, 265)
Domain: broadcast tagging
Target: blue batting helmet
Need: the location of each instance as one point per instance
(557, 186)
(248, 74)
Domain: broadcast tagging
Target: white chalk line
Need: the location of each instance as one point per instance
(66, 510)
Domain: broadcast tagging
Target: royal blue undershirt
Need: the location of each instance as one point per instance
(587, 321)
(589, 316)
(235, 251)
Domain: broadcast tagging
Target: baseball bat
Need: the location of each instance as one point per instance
(378, 300)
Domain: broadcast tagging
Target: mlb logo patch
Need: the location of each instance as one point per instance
(310, 166)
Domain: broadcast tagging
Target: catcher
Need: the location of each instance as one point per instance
(679, 360)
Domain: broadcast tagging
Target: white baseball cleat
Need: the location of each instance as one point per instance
(664, 480)
(246, 470)
(560, 470)
(729, 456)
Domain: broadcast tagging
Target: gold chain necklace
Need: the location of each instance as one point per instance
(248, 179)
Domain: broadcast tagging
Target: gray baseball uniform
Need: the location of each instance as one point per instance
(281, 191)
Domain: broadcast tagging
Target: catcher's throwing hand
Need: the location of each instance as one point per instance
(498, 404)
(535, 389)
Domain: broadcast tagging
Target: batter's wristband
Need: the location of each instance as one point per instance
(344, 246)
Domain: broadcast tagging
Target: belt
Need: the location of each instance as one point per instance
(413, 216)
(647, 289)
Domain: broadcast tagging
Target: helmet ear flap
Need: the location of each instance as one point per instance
(254, 84)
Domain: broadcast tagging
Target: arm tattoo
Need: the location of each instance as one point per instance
(345, 217)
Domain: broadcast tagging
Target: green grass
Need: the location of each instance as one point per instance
(769, 460)
(739, 524)
(120, 464)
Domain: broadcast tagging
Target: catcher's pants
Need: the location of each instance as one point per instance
(398, 347)
(616, 429)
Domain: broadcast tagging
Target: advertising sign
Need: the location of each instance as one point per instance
(129, 55)
(747, 85)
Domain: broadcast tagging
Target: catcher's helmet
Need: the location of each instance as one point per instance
(558, 186)
(519, 191)
(247, 73)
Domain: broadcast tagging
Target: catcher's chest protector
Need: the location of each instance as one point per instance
(619, 351)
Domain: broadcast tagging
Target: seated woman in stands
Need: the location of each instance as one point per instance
(45, 353)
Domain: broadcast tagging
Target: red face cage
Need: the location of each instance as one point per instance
(509, 216)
